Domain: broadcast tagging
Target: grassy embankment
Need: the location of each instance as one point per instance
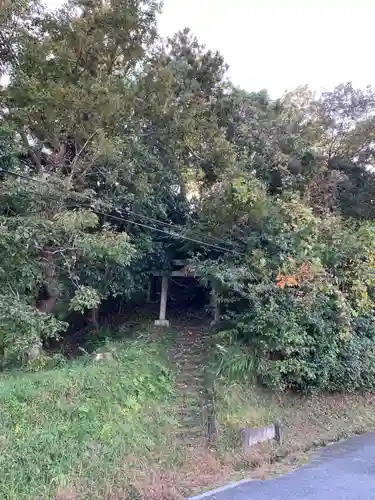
(88, 430)
(105, 430)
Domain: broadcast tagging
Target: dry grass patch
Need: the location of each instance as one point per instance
(308, 422)
(66, 494)
(196, 470)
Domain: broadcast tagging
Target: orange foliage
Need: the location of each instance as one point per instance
(305, 273)
(284, 281)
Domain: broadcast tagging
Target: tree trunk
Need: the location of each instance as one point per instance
(33, 155)
(93, 318)
(47, 303)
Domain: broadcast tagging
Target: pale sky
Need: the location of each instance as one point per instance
(281, 44)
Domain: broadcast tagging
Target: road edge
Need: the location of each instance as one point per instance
(219, 490)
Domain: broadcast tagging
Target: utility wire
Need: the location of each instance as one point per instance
(15, 174)
(173, 234)
(123, 219)
(214, 238)
(137, 214)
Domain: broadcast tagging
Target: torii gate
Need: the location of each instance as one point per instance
(183, 272)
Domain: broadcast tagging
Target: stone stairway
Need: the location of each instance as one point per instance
(189, 355)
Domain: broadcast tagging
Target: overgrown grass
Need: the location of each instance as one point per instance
(108, 429)
(66, 433)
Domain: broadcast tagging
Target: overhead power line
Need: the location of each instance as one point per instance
(169, 233)
(128, 220)
(137, 214)
(171, 224)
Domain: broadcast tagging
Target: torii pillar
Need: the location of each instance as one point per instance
(162, 321)
(215, 307)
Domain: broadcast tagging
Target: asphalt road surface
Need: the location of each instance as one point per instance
(343, 471)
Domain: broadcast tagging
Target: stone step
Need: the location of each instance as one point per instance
(189, 389)
(190, 431)
(194, 410)
(192, 380)
(190, 372)
(187, 368)
(191, 403)
(189, 356)
(194, 359)
(192, 424)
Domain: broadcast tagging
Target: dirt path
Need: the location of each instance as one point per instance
(189, 354)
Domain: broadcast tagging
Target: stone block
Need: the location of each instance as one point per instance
(253, 436)
(162, 322)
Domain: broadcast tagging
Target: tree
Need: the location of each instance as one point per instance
(65, 106)
(101, 125)
(298, 293)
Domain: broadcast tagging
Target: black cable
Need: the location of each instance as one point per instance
(175, 235)
(214, 238)
(220, 240)
(123, 219)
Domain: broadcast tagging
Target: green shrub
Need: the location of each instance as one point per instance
(301, 308)
(23, 328)
(309, 343)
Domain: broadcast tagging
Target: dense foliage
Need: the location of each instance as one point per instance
(118, 148)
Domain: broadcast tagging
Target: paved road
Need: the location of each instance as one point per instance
(344, 471)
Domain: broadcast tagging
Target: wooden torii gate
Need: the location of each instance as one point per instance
(182, 272)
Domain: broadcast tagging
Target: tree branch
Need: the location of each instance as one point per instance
(74, 162)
